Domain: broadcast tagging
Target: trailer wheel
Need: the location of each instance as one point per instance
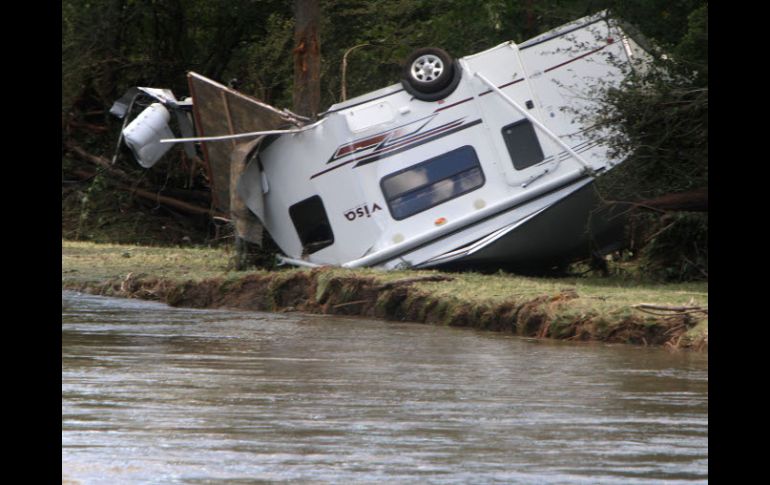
(430, 74)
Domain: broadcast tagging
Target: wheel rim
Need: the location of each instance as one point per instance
(427, 68)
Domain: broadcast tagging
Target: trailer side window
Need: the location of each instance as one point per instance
(522, 144)
(429, 183)
(312, 224)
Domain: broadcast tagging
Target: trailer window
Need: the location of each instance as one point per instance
(522, 144)
(312, 224)
(432, 182)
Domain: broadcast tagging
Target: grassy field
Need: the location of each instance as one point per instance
(89, 262)
(590, 308)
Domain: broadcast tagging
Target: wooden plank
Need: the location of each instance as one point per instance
(220, 110)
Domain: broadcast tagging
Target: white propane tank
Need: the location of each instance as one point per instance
(143, 135)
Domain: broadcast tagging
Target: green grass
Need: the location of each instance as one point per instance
(598, 292)
(92, 262)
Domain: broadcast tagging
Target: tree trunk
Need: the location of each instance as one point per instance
(307, 58)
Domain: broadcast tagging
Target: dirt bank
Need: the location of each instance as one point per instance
(573, 309)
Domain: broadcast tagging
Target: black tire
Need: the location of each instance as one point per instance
(430, 74)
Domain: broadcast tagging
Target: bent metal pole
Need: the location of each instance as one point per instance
(229, 137)
(244, 135)
(537, 123)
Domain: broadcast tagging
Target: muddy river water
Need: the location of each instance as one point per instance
(153, 394)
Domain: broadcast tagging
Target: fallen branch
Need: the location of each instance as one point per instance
(124, 285)
(661, 309)
(409, 281)
(178, 204)
(632, 205)
(357, 302)
(704, 273)
(696, 200)
(157, 198)
(101, 162)
(88, 126)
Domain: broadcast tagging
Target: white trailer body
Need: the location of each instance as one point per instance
(389, 180)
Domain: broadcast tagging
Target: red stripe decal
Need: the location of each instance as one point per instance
(577, 58)
(452, 105)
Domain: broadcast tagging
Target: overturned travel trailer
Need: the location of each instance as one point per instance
(479, 161)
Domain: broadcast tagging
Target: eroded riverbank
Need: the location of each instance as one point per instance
(603, 309)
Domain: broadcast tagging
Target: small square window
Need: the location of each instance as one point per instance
(312, 224)
(522, 143)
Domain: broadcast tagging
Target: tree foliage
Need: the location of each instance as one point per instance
(661, 118)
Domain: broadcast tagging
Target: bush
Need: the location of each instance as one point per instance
(674, 246)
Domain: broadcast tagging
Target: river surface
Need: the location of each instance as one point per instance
(153, 394)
